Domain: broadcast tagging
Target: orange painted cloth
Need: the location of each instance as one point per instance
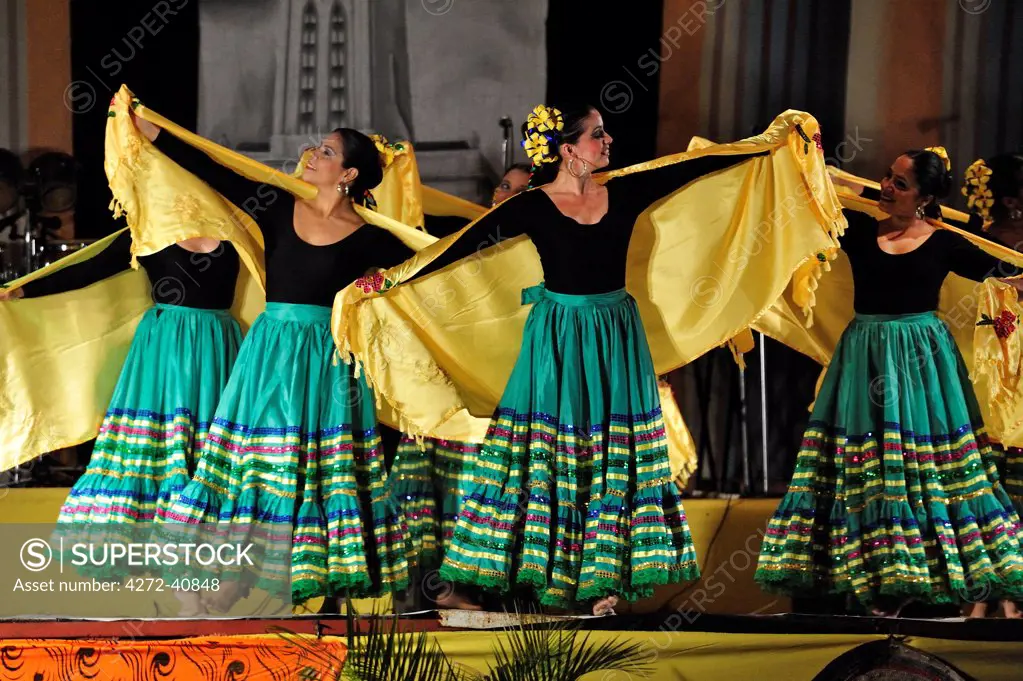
(254, 658)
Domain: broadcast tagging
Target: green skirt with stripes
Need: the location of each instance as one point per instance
(158, 418)
(294, 448)
(896, 493)
(571, 493)
(429, 480)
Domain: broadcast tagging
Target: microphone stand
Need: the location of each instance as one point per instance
(506, 146)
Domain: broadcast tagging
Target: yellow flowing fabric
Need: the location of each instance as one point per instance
(995, 364)
(62, 354)
(702, 264)
(436, 202)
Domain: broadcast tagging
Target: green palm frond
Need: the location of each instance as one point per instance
(313, 652)
(384, 653)
(546, 652)
(559, 654)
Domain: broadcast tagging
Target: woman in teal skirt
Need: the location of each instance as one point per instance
(294, 449)
(171, 381)
(571, 494)
(168, 389)
(895, 495)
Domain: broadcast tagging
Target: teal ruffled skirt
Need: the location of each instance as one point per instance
(429, 480)
(159, 416)
(896, 492)
(294, 447)
(571, 493)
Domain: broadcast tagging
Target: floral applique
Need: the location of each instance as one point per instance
(1004, 324)
(373, 282)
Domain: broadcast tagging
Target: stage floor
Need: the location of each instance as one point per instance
(719, 628)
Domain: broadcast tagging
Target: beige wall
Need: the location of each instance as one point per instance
(894, 86)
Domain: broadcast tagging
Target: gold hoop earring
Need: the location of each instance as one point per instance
(571, 168)
(342, 188)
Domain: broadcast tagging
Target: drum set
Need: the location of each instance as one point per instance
(30, 204)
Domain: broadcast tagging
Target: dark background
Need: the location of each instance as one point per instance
(163, 73)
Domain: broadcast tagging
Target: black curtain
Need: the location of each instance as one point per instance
(593, 52)
(153, 48)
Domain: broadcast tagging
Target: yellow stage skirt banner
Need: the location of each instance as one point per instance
(673, 653)
(253, 658)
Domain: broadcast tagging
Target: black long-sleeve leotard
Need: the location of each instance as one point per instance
(576, 258)
(178, 276)
(910, 282)
(296, 271)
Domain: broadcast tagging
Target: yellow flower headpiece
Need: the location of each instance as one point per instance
(977, 190)
(543, 130)
(943, 155)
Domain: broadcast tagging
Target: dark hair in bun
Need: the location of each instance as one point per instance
(933, 178)
(1006, 180)
(360, 152)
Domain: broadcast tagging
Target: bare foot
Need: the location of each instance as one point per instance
(974, 610)
(1011, 610)
(450, 599)
(605, 606)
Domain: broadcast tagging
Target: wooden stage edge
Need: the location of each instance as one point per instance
(337, 625)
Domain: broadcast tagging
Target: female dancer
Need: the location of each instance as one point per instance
(294, 440)
(172, 379)
(893, 497)
(578, 438)
(176, 369)
(572, 494)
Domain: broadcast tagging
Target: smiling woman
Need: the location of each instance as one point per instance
(253, 463)
(895, 495)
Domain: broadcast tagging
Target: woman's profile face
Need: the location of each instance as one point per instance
(514, 182)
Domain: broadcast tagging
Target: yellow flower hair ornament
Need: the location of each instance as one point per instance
(543, 131)
(979, 196)
(943, 155)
